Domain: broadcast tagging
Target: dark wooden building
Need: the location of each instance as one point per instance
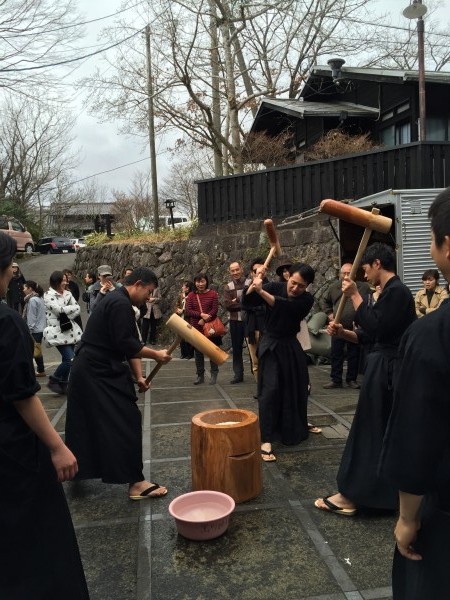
(382, 102)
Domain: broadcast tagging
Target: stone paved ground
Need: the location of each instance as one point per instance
(277, 546)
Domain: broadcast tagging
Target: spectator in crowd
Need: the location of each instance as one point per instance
(126, 271)
(14, 295)
(432, 295)
(202, 305)
(187, 351)
(340, 348)
(149, 322)
(89, 279)
(38, 547)
(232, 301)
(254, 317)
(282, 373)
(72, 284)
(62, 331)
(104, 286)
(34, 315)
(74, 289)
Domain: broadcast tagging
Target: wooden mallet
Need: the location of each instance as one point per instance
(275, 248)
(158, 365)
(371, 221)
(185, 331)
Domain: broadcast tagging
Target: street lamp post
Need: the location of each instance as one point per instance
(417, 10)
(170, 204)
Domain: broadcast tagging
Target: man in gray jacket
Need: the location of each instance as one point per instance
(339, 347)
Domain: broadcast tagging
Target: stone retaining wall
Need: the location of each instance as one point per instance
(213, 248)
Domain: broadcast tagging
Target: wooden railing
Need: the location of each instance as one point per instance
(286, 191)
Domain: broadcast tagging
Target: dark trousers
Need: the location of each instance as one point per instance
(338, 348)
(40, 359)
(148, 329)
(200, 363)
(187, 351)
(237, 333)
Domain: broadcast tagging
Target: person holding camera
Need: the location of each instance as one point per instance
(105, 285)
(62, 331)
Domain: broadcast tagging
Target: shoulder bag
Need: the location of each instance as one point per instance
(65, 323)
(214, 328)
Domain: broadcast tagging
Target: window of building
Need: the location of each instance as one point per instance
(402, 133)
(396, 134)
(438, 129)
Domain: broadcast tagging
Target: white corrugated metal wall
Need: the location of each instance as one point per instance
(412, 230)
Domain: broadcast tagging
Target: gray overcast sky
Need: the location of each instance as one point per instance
(103, 148)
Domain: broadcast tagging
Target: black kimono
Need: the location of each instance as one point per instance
(103, 426)
(383, 324)
(282, 371)
(416, 453)
(39, 555)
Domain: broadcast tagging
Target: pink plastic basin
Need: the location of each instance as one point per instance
(202, 515)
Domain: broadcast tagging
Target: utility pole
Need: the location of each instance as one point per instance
(151, 132)
(422, 103)
(215, 84)
(416, 10)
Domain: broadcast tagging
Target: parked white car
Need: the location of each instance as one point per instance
(78, 243)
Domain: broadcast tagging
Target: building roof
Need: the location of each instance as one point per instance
(302, 108)
(372, 74)
(89, 208)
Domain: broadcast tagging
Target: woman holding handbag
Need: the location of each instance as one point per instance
(201, 308)
(62, 331)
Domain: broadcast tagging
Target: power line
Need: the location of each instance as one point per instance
(76, 24)
(70, 60)
(113, 169)
(109, 170)
(398, 27)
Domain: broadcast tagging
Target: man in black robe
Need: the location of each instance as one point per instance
(103, 424)
(382, 324)
(282, 371)
(416, 453)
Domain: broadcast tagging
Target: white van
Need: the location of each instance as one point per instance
(16, 230)
(178, 221)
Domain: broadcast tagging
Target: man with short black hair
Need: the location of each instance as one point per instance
(381, 324)
(103, 422)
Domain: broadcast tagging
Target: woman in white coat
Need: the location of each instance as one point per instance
(62, 332)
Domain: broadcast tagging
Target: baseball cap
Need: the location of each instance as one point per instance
(104, 270)
(15, 265)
